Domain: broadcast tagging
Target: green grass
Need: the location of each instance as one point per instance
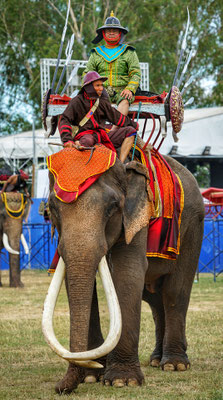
(29, 369)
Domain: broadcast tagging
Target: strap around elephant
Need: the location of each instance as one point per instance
(75, 129)
(14, 213)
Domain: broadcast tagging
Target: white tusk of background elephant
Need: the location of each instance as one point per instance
(6, 244)
(24, 243)
(83, 358)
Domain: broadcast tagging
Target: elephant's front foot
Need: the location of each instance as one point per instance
(175, 363)
(70, 381)
(17, 284)
(120, 375)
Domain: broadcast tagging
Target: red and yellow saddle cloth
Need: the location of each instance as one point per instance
(72, 172)
(164, 230)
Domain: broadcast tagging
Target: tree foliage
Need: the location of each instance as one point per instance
(31, 30)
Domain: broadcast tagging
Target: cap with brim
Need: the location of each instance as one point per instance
(111, 22)
(92, 76)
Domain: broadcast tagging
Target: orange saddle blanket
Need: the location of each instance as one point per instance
(74, 173)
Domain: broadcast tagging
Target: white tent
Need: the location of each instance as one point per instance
(202, 127)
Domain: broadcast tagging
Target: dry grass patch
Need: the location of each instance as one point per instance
(29, 369)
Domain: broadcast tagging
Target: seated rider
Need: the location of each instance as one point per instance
(117, 61)
(83, 123)
(16, 183)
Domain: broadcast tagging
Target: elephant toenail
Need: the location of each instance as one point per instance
(181, 367)
(118, 383)
(155, 363)
(168, 367)
(90, 379)
(133, 382)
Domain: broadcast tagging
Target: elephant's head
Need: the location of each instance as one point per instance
(112, 211)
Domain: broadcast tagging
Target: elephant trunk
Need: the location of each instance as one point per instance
(82, 358)
(7, 246)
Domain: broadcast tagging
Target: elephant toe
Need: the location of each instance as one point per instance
(133, 382)
(168, 367)
(182, 367)
(118, 383)
(155, 363)
(90, 379)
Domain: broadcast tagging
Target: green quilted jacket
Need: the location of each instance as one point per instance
(124, 72)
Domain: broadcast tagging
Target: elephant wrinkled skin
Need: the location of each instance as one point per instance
(12, 227)
(111, 218)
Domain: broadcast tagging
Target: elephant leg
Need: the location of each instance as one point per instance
(156, 305)
(14, 230)
(174, 342)
(14, 272)
(128, 272)
(176, 295)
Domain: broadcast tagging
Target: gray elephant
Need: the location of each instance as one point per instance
(13, 209)
(111, 219)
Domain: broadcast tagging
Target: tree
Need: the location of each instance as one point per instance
(31, 30)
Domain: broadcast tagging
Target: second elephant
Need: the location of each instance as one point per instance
(14, 208)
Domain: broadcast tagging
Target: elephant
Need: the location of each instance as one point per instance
(110, 220)
(13, 209)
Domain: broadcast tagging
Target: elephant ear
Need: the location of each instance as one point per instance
(139, 206)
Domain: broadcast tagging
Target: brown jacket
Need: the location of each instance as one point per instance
(79, 107)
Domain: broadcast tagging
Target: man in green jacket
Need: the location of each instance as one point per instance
(117, 61)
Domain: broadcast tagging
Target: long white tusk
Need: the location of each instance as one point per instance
(83, 358)
(7, 245)
(24, 243)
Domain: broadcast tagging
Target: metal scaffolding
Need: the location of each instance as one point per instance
(211, 258)
(41, 250)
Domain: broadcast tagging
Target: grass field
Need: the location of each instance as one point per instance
(29, 369)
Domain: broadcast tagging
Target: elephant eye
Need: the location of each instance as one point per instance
(113, 206)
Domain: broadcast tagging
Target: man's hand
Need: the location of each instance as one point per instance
(78, 146)
(69, 145)
(74, 145)
(127, 94)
